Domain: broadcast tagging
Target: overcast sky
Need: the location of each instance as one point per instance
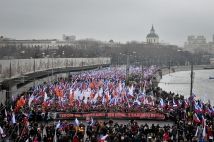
(120, 20)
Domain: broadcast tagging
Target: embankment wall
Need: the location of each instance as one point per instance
(158, 76)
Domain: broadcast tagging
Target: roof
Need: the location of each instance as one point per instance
(152, 35)
(152, 28)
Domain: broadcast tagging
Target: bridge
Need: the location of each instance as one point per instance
(19, 71)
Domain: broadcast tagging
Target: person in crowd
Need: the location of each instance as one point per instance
(44, 101)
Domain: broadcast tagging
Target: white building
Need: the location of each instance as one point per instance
(152, 37)
(45, 44)
(69, 38)
(199, 44)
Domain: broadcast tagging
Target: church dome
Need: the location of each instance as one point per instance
(152, 35)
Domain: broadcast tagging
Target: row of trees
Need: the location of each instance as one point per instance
(138, 53)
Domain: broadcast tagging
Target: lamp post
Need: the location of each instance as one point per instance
(142, 77)
(118, 62)
(191, 85)
(63, 52)
(10, 75)
(34, 71)
(66, 69)
(48, 68)
(43, 55)
(127, 71)
(22, 54)
(52, 69)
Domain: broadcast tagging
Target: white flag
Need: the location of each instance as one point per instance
(196, 133)
(45, 97)
(1, 130)
(5, 111)
(13, 119)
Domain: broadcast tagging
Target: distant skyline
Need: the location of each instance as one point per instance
(120, 20)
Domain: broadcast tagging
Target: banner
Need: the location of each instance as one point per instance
(103, 115)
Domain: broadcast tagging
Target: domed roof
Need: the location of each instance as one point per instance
(154, 35)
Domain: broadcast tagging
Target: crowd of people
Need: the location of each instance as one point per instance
(104, 91)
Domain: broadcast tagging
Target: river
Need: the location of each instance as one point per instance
(179, 83)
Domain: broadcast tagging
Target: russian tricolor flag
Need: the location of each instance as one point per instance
(208, 111)
(179, 103)
(196, 119)
(137, 102)
(175, 106)
(162, 103)
(76, 122)
(197, 108)
(92, 122)
(203, 121)
(102, 138)
(204, 133)
(186, 104)
(150, 98)
(196, 133)
(103, 100)
(153, 104)
(58, 125)
(185, 113)
(192, 97)
(25, 114)
(13, 120)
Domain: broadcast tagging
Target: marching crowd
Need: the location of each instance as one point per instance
(104, 91)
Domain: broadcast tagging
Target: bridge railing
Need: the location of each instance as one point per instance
(17, 67)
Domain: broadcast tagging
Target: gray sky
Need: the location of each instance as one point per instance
(120, 20)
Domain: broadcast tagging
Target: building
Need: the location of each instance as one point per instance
(198, 44)
(69, 38)
(212, 61)
(5, 38)
(152, 37)
(45, 44)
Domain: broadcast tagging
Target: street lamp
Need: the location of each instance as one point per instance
(10, 75)
(118, 59)
(127, 71)
(22, 53)
(52, 67)
(43, 55)
(63, 54)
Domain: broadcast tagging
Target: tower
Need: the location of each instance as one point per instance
(152, 37)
